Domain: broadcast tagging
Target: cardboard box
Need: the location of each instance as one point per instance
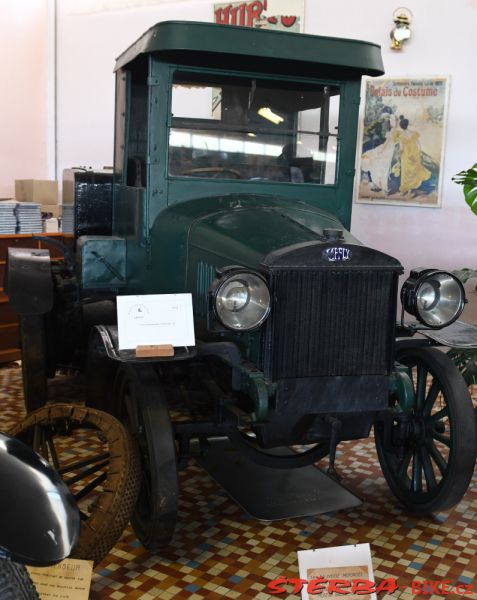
(52, 209)
(51, 225)
(43, 191)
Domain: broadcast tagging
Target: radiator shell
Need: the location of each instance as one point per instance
(330, 317)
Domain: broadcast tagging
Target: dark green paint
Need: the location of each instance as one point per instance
(297, 51)
(102, 262)
(401, 384)
(178, 231)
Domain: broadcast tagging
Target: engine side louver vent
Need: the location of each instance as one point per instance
(205, 275)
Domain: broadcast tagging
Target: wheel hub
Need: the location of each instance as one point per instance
(419, 430)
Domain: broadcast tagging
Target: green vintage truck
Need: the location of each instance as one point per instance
(233, 181)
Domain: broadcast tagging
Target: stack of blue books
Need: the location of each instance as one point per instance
(8, 219)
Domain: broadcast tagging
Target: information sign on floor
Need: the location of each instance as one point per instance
(68, 580)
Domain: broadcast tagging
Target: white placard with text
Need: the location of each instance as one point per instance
(155, 319)
(345, 564)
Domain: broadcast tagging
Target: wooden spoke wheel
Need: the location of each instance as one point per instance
(97, 459)
(141, 405)
(427, 453)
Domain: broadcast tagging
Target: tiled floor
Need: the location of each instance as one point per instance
(218, 551)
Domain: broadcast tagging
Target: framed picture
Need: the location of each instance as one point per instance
(401, 146)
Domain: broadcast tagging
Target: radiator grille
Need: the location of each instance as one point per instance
(330, 322)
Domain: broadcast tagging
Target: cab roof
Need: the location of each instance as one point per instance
(246, 48)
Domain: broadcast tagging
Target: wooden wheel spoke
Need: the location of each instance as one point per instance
(52, 450)
(443, 439)
(39, 440)
(421, 387)
(44, 446)
(90, 487)
(416, 482)
(86, 473)
(436, 456)
(82, 463)
(444, 412)
(428, 469)
(431, 397)
(402, 470)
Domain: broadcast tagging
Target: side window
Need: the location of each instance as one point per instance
(136, 143)
(251, 129)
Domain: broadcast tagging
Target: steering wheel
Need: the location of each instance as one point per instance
(213, 171)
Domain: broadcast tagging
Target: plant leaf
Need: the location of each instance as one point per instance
(468, 179)
(465, 274)
(466, 362)
(470, 195)
(468, 176)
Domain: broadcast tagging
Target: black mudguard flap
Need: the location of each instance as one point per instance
(459, 335)
(28, 281)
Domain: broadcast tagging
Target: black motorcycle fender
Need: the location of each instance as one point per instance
(40, 521)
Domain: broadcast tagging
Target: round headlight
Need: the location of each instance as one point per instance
(435, 298)
(242, 301)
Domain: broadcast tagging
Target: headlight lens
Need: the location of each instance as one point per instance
(435, 298)
(242, 301)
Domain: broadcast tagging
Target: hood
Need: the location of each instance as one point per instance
(244, 234)
(200, 235)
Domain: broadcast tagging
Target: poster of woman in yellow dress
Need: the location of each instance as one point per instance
(402, 141)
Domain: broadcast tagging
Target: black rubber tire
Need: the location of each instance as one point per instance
(100, 372)
(429, 468)
(141, 405)
(34, 360)
(113, 459)
(15, 582)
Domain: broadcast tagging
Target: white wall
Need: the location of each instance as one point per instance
(88, 44)
(442, 44)
(24, 92)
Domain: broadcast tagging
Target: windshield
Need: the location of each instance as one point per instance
(253, 129)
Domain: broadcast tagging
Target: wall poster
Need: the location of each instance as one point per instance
(402, 141)
(285, 15)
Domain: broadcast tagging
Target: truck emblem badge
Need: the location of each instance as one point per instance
(337, 254)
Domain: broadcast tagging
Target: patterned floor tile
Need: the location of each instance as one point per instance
(220, 552)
